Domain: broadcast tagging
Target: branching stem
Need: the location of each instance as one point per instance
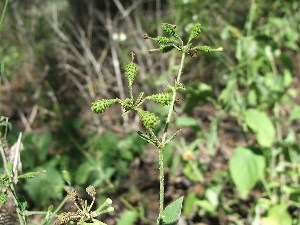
(161, 149)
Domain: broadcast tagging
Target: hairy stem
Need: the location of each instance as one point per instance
(161, 149)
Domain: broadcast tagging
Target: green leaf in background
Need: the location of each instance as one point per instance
(295, 113)
(186, 121)
(189, 203)
(212, 136)
(172, 212)
(66, 176)
(261, 124)
(278, 215)
(128, 217)
(44, 145)
(246, 168)
(42, 187)
(83, 172)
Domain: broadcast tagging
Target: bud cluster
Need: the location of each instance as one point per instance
(100, 106)
(161, 98)
(83, 212)
(196, 30)
(131, 72)
(148, 119)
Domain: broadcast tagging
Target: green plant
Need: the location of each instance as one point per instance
(84, 214)
(169, 215)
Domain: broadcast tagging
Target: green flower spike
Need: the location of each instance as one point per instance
(131, 72)
(100, 106)
(127, 104)
(207, 49)
(195, 31)
(166, 48)
(164, 40)
(170, 30)
(161, 98)
(148, 119)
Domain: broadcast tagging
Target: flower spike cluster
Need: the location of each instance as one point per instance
(148, 119)
(84, 212)
(168, 44)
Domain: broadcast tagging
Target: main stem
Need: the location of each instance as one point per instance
(161, 149)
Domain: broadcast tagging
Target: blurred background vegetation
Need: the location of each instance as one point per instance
(238, 158)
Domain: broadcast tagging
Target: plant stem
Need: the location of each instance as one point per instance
(161, 182)
(11, 186)
(3, 13)
(56, 210)
(161, 149)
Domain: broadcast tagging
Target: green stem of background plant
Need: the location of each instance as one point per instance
(161, 150)
(3, 13)
(11, 186)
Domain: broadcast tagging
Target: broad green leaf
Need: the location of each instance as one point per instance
(246, 168)
(52, 179)
(261, 124)
(128, 217)
(172, 212)
(279, 215)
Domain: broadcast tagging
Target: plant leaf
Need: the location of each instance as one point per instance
(172, 212)
(261, 124)
(246, 168)
(128, 217)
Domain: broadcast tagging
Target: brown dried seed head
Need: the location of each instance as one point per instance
(91, 190)
(187, 155)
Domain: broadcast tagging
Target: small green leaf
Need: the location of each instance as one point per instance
(261, 124)
(145, 137)
(3, 198)
(246, 168)
(278, 215)
(9, 167)
(83, 172)
(128, 217)
(22, 202)
(66, 176)
(174, 135)
(28, 175)
(189, 203)
(43, 145)
(171, 214)
(295, 114)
